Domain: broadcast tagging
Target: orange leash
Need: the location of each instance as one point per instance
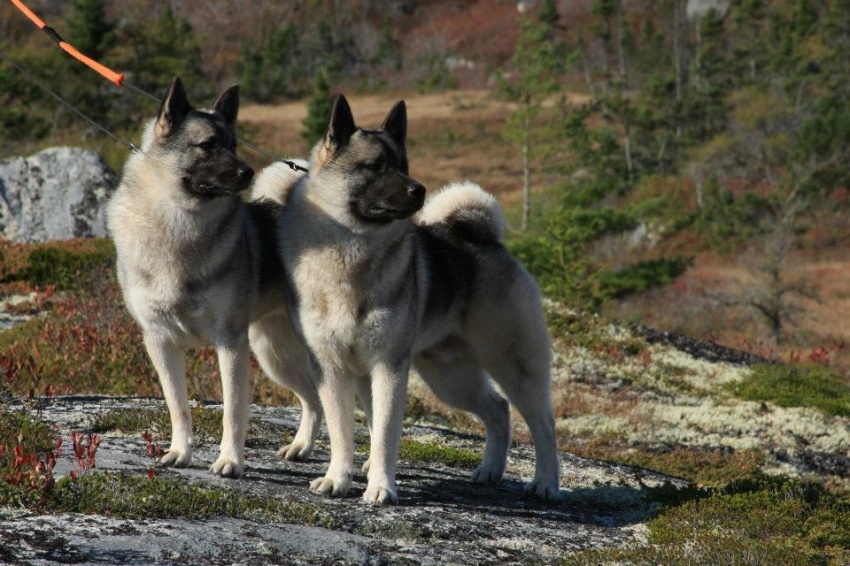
(103, 70)
(110, 75)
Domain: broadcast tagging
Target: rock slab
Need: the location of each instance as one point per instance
(56, 194)
(442, 518)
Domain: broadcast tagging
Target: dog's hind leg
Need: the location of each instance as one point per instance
(286, 362)
(234, 364)
(528, 386)
(169, 360)
(463, 384)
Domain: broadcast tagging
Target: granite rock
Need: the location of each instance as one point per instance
(56, 194)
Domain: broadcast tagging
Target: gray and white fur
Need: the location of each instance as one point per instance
(199, 266)
(375, 292)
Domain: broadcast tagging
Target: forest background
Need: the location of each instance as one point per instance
(675, 164)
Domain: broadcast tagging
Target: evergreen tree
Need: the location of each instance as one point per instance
(389, 49)
(536, 64)
(162, 47)
(750, 21)
(276, 69)
(88, 28)
(805, 21)
(705, 111)
(549, 14)
(318, 110)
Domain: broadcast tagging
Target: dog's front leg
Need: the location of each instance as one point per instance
(169, 360)
(336, 391)
(234, 365)
(389, 392)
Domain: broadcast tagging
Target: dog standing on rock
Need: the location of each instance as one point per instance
(375, 292)
(199, 266)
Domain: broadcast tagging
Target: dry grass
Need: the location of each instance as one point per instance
(690, 306)
(451, 136)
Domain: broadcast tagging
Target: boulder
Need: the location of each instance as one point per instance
(698, 8)
(56, 194)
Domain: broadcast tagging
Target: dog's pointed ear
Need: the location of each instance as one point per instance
(227, 104)
(341, 126)
(396, 122)
(174, 108)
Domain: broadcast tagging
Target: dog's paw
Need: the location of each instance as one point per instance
(365, 467)
(378, 495)
(295, 452)
(547, 491)
(487, 474)
(175, 458)
(331, 487)
(227, 468)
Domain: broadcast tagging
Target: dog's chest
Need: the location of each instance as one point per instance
(338, 319)
(159, 299)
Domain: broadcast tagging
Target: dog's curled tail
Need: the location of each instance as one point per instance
(276, 181)
(467, 210)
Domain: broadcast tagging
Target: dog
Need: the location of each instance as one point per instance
(199, 266)
(376, 292)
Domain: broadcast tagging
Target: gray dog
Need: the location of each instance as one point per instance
(199, 266)
(376, 291)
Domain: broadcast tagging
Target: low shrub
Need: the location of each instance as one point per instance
(796, 385)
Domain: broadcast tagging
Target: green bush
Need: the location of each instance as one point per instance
(796, 385)
(67, 269)
(642, 276)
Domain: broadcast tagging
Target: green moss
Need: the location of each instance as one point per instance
(430, 452)
(206, 423)
(704, 466)
(140, 497)
(796, 385)
(760, 521)
(132, 421)
(434, 452)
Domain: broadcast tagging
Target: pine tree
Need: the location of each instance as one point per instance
(536, 64)
(318, 110)
(89, 30)
(750, 21)
(706, 111)
(549, 14)
(162, 47)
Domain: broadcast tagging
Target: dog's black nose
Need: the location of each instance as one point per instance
(416, 191)
(245, 173)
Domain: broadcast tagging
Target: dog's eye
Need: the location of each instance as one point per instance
(207, 145)
(374, 165)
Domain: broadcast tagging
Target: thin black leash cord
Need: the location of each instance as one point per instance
(30, 77)
(67, 104)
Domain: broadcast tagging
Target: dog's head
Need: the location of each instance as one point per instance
(200, 145)
(363, 174)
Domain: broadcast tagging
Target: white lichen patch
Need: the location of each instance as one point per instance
(744, 425)
(702, 375)
(7, 319)
(595, 425)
